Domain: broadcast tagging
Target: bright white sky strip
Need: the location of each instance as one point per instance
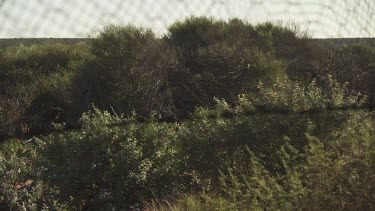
(80, 18)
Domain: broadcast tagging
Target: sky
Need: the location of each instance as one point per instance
(82, 18)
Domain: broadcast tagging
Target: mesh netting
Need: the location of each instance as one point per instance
(79, 18)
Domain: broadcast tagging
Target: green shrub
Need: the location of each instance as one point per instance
(221, 59)
(194, 33)
(106, 154)
(286, 95)
(35, 86)
(12, 147)
(330, 173)
(31, 108)
(361, 72)
(363, 55)
(129, 72)
(112, 166)
(116, 161)
(21, 185)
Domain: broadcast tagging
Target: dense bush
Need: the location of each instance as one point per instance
(221, 59)
(21, 187)
(113, 162)
(256, 116)
(127, 68)
(116, 161)
(35, 85)
(112, 166)
(363, 78)
(333, 172)
(129, 72)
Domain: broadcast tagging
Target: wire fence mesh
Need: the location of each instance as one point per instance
(71, 18)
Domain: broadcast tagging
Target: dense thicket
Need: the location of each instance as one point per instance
(127, 68)
(229, 115)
